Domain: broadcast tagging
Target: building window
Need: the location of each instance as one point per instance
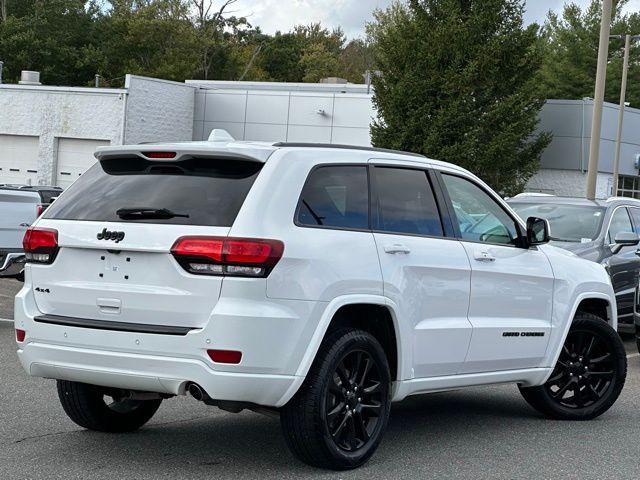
(628, 186)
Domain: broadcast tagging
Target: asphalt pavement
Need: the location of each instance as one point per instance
(8, 290)
(481, 433)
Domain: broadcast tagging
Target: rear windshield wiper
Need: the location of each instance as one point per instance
(138, 213)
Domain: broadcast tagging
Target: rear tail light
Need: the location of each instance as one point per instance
(20, 335)
(40, 245)
(244, 257)
(225, 356)
(39, 209)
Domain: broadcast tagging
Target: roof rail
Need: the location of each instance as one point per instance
(345, 147)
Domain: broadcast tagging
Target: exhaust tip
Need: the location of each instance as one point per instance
(196, 391)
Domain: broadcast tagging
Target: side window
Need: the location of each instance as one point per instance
(406, 203)
(620, 222)
(480, 217)
(635, 213)
(336, 196)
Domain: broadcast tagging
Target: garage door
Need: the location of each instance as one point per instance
(75, 156)
(19, 159)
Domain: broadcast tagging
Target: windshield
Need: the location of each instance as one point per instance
(569, 223)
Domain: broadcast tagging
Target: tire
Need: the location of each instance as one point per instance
(327, 423)
(86, 406)
(589, 375)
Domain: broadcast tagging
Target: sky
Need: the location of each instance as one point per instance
(351, 15)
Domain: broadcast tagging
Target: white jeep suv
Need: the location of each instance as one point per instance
(315, 281)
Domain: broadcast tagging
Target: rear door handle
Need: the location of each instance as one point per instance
(396, 248)
(484, 256)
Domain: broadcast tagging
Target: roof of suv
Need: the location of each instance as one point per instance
(249, 150)
(544, 198)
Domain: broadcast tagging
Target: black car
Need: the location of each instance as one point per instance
(605, 231)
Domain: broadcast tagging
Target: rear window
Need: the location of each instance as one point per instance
(47, 195)
(406, 203)
(200, 191)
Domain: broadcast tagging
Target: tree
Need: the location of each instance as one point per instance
(355, 59)
(458, 82)
(146, 37)
(46, 36)
(571, 53)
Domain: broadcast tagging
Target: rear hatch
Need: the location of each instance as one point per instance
(115, 228)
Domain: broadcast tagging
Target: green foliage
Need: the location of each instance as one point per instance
(46, 36)
(356, 58)
(458, 82)
(71, 40)
(570, 43)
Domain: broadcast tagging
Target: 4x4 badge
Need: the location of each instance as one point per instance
(107, 235)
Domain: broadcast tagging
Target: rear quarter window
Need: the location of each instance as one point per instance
(203, 191)
(335, 196)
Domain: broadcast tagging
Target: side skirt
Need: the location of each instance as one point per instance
(528, 377)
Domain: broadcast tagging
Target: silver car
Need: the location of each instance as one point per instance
(20, 205)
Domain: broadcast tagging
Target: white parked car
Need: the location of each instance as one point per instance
(20, 205)
(318, 282)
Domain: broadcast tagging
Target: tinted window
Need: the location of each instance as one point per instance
(406, 203)
(480, 217)
(47, 195)
(336, 196)
(635, 213)
(620, 222)
(207, 191)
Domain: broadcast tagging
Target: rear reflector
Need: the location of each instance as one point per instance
(246, 257)
(20, 335)
(225, 356)
(159, 154)
(40, 245)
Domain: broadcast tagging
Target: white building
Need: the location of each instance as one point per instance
(286, 112)
(47, 133)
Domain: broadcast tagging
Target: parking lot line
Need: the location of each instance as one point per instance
(631, 355)
(6, 320)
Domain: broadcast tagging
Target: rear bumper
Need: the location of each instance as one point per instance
(11, 264)
(150, 373)
(273, 336)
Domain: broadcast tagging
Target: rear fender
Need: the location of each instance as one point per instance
(404, 354)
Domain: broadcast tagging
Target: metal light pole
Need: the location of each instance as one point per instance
(623, 91)
(601, 76)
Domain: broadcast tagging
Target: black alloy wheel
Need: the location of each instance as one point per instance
(354, 401)
(588, 376)
(584, 372)
(338, 416)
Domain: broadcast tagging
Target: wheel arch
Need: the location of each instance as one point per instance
(591, 302)
(354, 311)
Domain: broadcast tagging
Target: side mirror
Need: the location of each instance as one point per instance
(625, 239)
(537, 231)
